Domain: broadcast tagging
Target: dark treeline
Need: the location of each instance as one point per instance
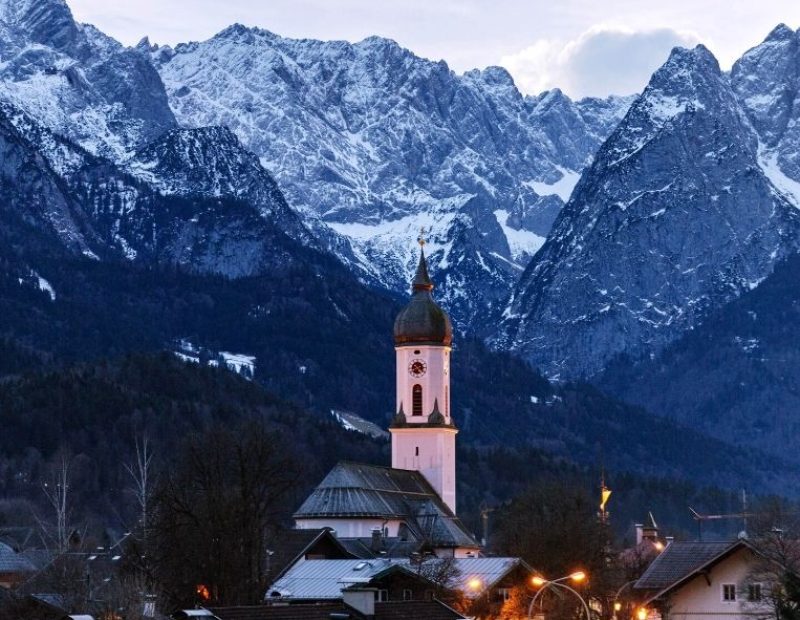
(95, 412)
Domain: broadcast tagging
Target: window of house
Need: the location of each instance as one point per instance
(383, 596)
(729, 592)
(416, 400)
(407, 595)
(416, 451)
(504, 594)
(754, 592)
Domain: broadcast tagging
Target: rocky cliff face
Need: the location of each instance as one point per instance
(376, 142)
(76, 81)
(89, 205)
(676, 216)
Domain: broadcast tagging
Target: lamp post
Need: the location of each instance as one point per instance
(544, 584)
(617, 604)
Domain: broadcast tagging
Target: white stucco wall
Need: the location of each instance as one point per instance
(432, 452)
(350, 528)
(702, 598)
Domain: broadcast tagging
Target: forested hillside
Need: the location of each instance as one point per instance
(95, 412)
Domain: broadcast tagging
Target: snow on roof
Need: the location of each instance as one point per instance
(325, 579)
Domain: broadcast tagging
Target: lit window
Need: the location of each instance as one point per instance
(729, 592)
(416, 400)
(754, 592)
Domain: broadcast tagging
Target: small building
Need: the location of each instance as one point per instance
(294, 546)
(339, 610)
(14, 567)
(704, 581)
(490, 579)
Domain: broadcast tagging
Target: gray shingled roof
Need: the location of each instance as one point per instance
(359, 490)
(13, 562)
(679, 560)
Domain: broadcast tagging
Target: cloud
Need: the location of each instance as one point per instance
(603, 60)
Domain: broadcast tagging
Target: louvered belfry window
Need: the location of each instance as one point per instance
(416, 400)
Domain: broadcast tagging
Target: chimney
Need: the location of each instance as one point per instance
(376, 544)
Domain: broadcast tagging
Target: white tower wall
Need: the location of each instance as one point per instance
(435, 382)
(418, 445)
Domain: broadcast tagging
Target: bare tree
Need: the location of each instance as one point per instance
(774, 580)
(56, 490)
(141, 472)
(215, 511)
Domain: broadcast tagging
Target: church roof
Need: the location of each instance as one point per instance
(422, 321)
(353, 490)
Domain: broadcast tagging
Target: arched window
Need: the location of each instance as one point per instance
(416, 400)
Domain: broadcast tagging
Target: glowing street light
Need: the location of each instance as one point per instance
(577, 577)
(543, 584)
(474, 584)
(641, 613)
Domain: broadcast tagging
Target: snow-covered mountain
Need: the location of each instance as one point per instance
(376, 143)
(74, 80)
(690, 202)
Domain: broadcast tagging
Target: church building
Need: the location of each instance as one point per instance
(411, 506)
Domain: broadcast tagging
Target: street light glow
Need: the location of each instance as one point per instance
(641, 613)
(578, 576)
(617, 606)
(474, 584)
(538, 581)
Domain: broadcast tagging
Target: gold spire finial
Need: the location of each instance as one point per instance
(421, 239)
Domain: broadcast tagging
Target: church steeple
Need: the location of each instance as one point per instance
(422, 281)
(423, 433)
(422, 321)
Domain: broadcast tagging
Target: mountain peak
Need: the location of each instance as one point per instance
(48, 22)
(240, 33)
(781, 32)
(497, 76)
(698, 57)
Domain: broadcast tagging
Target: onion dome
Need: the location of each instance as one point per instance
(422, 321)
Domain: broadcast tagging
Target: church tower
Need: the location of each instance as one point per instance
(423, 433)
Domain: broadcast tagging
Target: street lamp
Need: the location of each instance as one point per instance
(641, 613)
(617, 602)
(543, 584)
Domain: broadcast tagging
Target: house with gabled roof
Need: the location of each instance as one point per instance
(466, 578)
(704, 581)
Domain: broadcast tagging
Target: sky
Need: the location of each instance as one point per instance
(584, 47)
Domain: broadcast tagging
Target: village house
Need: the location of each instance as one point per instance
(704, 580)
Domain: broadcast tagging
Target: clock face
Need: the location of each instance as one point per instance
(417, 368)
